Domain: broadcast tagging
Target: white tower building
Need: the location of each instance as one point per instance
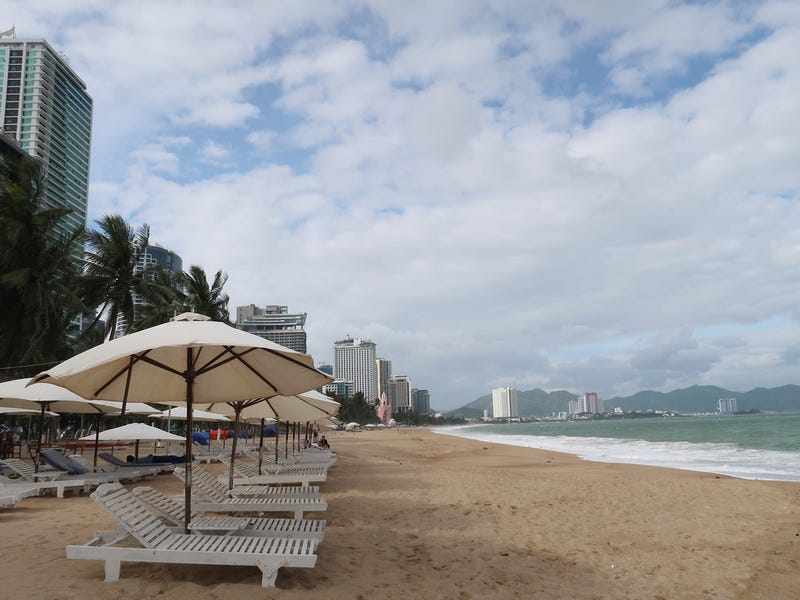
(354, 360)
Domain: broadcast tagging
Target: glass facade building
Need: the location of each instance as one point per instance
(44, 106)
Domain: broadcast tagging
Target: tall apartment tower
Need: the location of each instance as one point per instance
(504, 403)
(589, 402)
(421, 401)
(401, 393)
(384, 369)
(45, 108)
(354, 360)
(274, 323)
(151, 257)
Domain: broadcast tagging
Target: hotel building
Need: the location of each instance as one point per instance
(400, 399)
(45, 108)
(504, 403)
(354, 360)
(274, 323)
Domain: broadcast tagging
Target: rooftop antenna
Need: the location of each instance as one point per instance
(12, 33)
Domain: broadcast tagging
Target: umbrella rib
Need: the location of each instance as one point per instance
(160, 365)
(237, 356)
(132, 362)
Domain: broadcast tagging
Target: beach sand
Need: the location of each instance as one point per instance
(413, 514)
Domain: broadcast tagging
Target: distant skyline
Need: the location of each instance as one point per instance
(567, 195)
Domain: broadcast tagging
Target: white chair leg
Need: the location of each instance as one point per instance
(112, 570)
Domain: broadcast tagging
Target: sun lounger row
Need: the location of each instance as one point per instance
(157, 543)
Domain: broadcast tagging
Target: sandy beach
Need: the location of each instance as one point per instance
(413, 514)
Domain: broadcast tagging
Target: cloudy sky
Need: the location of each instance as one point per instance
(572, 195)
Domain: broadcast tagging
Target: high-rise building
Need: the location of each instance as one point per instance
(504, 403)
(152, 256)
(274, 323)
(354, 360)
(45, 107)
(420, 402)
(589, 402)
(401, 393)
(727, 405)
(384, 369)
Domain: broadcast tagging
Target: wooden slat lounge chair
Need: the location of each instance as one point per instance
(159, 544)
(172, 511)
(209, 499)
(220, 489)
(57, 460)
(155, 466)
(12, 492)
(275, 474)
(124, 475)
(54, 481)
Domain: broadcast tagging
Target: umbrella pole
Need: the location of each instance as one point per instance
(286, 443)
(39, 441)
(277, 437)
(136, 450)
(187, 485)
(261, 446)
(238, 409)
(97, 437)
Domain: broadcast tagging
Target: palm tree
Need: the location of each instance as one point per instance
(110, 277)
(163, 296)
(38, 271)
(200, 298)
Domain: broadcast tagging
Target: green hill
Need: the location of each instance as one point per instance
(532, 403)
(694, 399)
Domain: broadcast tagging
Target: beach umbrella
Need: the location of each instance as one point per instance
(43, 397)
(135, 432)
(186, 361)
(179, 413)
(23, 412)
(304, 407)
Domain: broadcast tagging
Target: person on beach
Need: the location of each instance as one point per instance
(323, 443)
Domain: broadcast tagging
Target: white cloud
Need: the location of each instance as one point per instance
(422, 181)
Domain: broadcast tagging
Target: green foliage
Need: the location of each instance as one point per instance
(204, 299)
(109, 277)
(356, 409)
(37, 272)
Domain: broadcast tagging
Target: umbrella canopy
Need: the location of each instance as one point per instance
(189, 359)
(179, 413)
(131, 408)
(308, 406)
(134, 432)
(24, 412)
(18, 393)
(217, 362)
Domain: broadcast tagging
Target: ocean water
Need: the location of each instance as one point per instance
(746, 446)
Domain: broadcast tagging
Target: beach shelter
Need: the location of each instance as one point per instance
(43, 397)
(179, 413)
(135, 432)
(307, 406)
(23, 412)
(186, 361)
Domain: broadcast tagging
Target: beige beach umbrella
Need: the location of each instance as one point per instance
(21, 393)
(179, 413)
(304, 407)
(186, 361)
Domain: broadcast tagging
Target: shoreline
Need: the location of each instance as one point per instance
(727, 458)
(415, 514)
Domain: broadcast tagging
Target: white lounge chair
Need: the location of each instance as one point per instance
(172, 511)
(220, 489)
(209, 499)
(54, 481)
(247, 474)
(128, 475)
(157, 543)
(155, 466)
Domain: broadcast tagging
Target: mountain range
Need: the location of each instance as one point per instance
(694, 399)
